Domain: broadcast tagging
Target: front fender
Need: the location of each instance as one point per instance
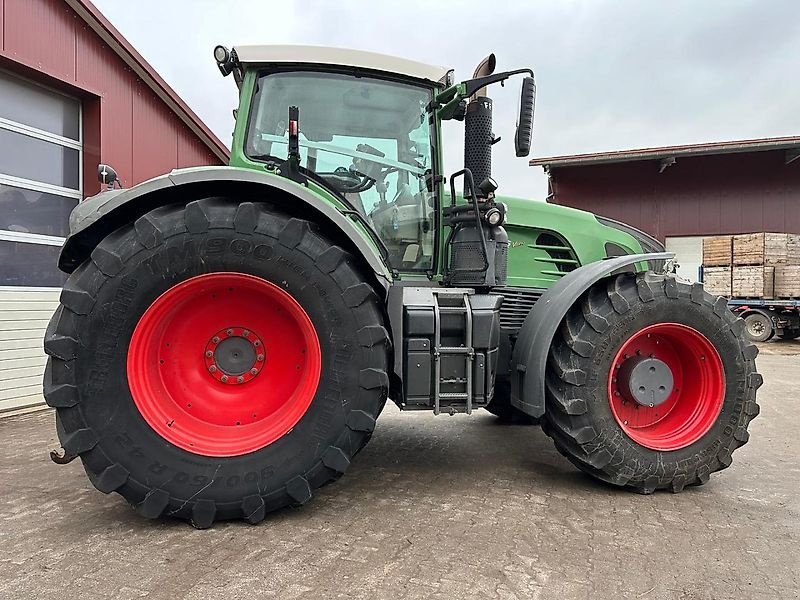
(96, 217)
(529, 359)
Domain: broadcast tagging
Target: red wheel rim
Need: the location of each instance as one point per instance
(689, 404)
(223, 364)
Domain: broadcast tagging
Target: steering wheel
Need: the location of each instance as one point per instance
(348, 181)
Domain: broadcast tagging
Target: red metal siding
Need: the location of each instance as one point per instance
(155, 136)
(700, 195)
(41, 34)
(125, 123)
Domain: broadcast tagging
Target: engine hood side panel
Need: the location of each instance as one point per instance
(528, 219)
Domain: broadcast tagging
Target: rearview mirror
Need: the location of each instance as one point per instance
(527, 102)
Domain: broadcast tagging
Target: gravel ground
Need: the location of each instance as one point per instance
(435, 507)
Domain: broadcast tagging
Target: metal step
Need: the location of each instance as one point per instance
(453, 396)
(467, 351)
(455, 350)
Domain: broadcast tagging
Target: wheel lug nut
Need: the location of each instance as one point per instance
(253, 371)
(246, 332)
(256, 343)
(212, 369)
(215, 339)
(240, 379)
(260, 357)
(224, 379)
(209, 353)
(229, 332)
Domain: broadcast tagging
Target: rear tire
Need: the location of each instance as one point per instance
(115, 399)
(700, 426)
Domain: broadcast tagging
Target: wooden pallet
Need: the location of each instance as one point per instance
(718, 251)
(762, 249)
(753, 282)
(793, 251)
(717, 280)
(787, 281)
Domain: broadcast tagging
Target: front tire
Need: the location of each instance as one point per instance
(650, 384)
(216, 361)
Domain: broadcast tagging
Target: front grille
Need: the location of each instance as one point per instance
(517, 303)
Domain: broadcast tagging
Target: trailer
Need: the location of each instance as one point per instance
(766, 318)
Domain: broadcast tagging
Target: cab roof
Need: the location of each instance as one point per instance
(322, 55)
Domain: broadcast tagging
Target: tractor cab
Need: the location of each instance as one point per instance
(365, 128)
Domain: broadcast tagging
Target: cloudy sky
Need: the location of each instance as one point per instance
(611, 74)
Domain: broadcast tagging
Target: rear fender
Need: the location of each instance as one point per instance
(93, 219)
(529, 359)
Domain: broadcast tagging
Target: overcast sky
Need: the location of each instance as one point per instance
(610, 74)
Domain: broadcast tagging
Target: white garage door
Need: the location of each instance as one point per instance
(40, 183)
(688, 254)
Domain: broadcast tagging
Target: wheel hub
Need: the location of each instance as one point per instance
(649, 380)
(666, 386)
(234, 355)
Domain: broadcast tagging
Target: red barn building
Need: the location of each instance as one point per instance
(681, 194)
(73, 93)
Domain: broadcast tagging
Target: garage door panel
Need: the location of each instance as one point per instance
(16, 363)
(688, 254)
(21, 392)
(21, 382)
(20, 372)
(12, 353)
(25, 325)
(40, 183)
(21, 335)
(27, 295)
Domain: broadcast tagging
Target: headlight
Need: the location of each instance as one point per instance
(494, 216)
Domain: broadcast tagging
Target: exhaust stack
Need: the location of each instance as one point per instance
(478, 128)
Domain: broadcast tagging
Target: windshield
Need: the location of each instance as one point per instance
(370, 139)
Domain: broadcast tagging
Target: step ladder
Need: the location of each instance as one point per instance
(467, 351)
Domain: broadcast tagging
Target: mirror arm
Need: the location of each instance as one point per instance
(473, 85)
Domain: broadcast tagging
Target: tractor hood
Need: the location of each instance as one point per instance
(590, 238)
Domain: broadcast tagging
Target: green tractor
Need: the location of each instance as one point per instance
(228, 336)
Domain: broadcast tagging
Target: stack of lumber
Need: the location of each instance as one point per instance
(753, 281)
(753, 265)
(761, 249)
(718, 251)
(717, 280)
(787, 281)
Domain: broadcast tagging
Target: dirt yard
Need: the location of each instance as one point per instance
(435, 507)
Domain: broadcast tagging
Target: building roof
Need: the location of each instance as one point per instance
(118, 44)
(322, 55)
(790, 143)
